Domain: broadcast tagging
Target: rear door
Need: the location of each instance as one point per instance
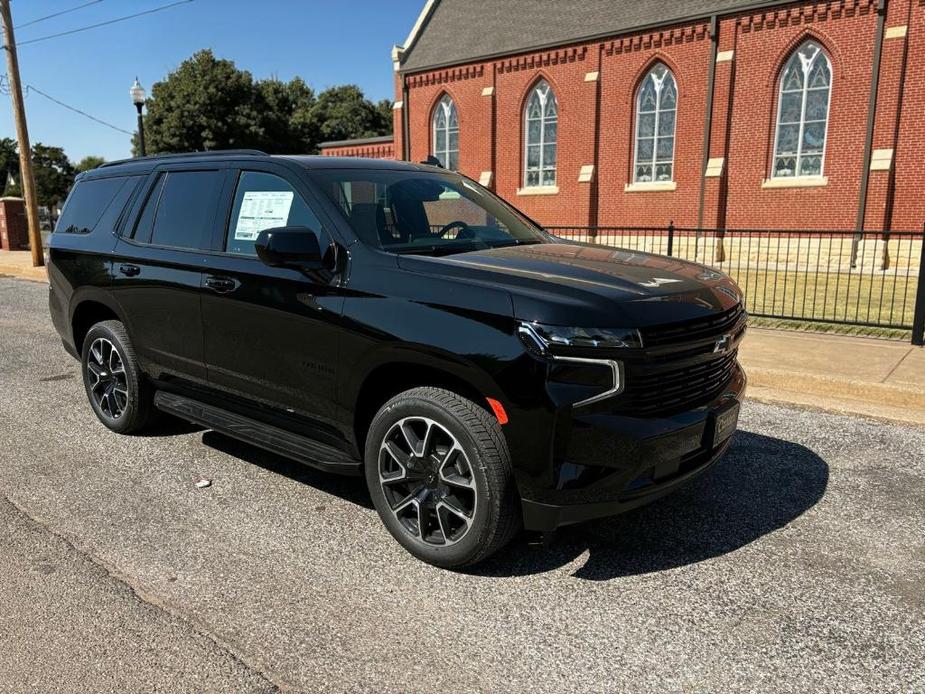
(158, 269)
(271, 333)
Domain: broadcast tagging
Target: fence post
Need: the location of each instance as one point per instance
(670, 237)
(918, 321)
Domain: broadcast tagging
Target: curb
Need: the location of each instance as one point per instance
(33, 274)
(878, 400)
(865, 392)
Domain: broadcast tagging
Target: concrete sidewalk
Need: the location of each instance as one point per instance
(856, 375)
(19, 264)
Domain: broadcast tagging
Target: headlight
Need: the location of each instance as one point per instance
(580, 380)
(540, 338)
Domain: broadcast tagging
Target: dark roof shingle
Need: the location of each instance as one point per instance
(460, 31)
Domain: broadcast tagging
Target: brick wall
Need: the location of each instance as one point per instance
(595, 85)
(379, 150)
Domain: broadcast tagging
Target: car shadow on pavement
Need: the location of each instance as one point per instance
(760, 486)
(352, 489)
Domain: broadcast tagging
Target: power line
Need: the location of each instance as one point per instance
(58, 14)
(106, 23)
(31, 88)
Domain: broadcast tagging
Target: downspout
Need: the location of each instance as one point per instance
(405, 121)
(708, 122)
(869, 140)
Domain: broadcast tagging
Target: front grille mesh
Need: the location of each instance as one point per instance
(692, 330)
(674, 390)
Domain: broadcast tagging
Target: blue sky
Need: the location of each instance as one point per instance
(326, 43)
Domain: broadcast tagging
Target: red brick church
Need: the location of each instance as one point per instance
(709, 113)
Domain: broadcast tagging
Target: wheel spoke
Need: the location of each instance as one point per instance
(95, 372)
(415, 443)
(96, 351)
(449, 469)
(446, 508)
(115, 363)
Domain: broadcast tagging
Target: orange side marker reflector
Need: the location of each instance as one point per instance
(498, 409)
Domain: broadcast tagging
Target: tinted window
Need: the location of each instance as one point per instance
(182, 205)
(91, 199)
(146, 221)
(263, 201)
(406, 211)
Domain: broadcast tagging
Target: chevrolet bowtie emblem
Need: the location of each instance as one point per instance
(722, 344)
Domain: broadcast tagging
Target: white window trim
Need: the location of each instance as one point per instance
(650, 187)
(538, 190)
(795, 182)
(445, 103)
(655, 135)
(542, 141)
(825, 134)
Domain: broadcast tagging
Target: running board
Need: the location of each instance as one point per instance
(266, 436)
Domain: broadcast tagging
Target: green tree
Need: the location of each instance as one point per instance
(286, 116)
(88, 163)
(9, 166)
(53, 173)
(341, 113)
(206, 103)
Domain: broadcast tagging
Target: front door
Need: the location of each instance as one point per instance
(271, 334)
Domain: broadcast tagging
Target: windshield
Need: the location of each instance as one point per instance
(424, 212)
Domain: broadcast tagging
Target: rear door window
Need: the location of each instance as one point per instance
(180, 209)
(263, 201)
(96, 203)
(186, 208)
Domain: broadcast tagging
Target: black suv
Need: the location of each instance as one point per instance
(402, 322)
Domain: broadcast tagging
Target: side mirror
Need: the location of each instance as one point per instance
(295, 247)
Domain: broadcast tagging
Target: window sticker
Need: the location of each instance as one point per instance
(262, 209)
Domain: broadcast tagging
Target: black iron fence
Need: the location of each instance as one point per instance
(868, 278)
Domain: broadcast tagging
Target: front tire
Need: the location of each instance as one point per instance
(118, 393)
(439, 473)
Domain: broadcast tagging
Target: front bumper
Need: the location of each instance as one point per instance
(607, 463)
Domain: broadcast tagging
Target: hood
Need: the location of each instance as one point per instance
(584, 285)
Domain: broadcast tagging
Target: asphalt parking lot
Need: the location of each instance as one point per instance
(797, 564)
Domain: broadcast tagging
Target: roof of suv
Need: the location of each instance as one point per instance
(139, 164)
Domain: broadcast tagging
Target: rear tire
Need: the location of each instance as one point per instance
(439, 473)
(120, 396)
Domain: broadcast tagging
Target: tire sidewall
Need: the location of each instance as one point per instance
(486, 510)
(125, 422)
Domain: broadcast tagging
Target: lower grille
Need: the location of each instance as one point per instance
(664, 392)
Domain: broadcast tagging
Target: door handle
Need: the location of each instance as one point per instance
(220, 284)
(129, 270)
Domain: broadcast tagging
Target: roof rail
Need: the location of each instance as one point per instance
(182, 155)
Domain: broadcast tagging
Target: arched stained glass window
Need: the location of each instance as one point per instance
(446, 133)
(541, 119)
(656, 107)
(802, 113)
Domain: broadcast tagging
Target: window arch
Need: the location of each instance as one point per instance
(445, 126)
(541, 122)
(656, 107)
(802, 113)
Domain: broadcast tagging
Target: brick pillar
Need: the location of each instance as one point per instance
(718, 164)
(14, 230)
(398, 110)
(886, 122)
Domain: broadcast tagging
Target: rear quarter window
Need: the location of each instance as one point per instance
(96, 204)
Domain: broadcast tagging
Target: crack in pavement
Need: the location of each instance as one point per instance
(196, 625)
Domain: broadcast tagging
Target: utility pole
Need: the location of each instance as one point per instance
(22, 135)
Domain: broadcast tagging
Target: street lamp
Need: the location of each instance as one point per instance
(138, 98)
